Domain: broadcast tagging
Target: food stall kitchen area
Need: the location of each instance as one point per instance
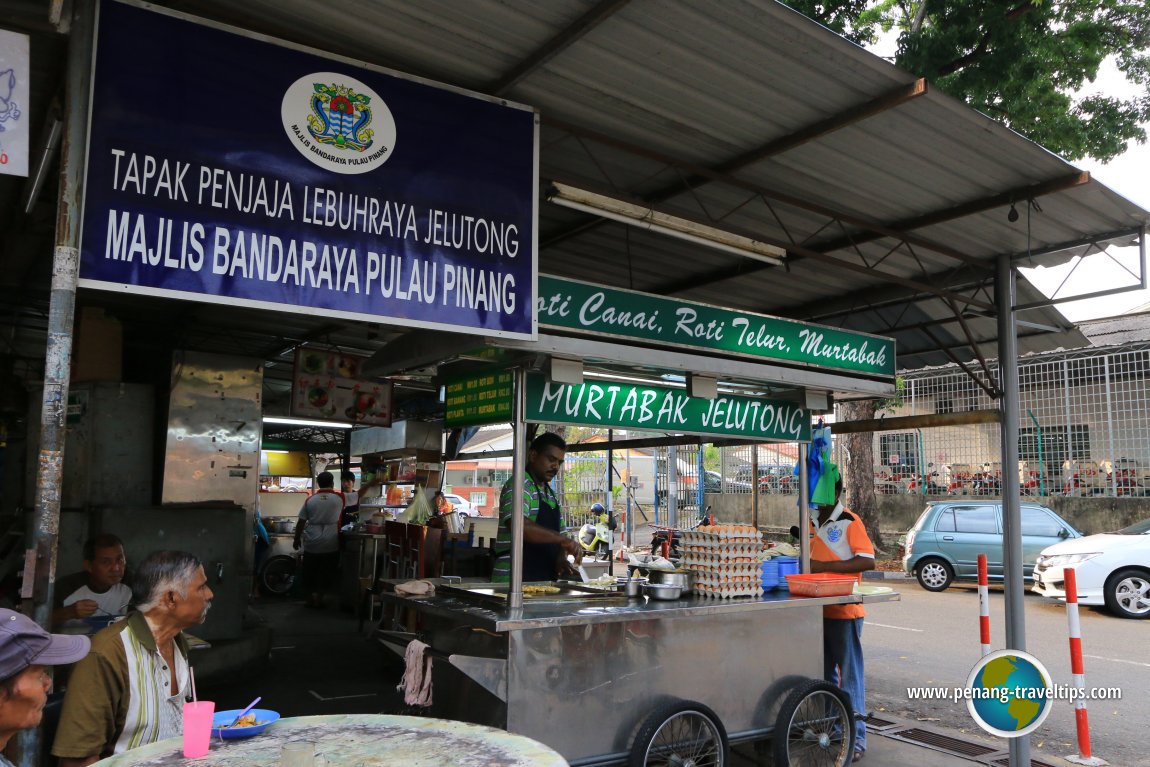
(523, 657)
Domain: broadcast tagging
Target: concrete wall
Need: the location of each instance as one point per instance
(898, 512)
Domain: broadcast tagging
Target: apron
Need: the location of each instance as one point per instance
(539, 558)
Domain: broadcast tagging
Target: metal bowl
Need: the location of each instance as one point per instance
(681, 578)
(663, 591)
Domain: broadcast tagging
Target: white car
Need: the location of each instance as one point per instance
(465, 507)
(1111, 569)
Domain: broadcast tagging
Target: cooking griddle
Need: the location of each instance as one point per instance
(496, 593)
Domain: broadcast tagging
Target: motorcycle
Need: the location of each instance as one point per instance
(665, 541)
(596, 538)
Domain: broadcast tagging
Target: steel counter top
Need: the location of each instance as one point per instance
(545, 615)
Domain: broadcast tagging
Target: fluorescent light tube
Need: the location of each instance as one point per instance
(305, 422)
(664, 223)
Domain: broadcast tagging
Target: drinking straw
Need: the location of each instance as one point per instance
(192, 677)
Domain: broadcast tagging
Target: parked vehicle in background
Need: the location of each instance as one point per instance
(944, 544)
(713, 482)
(1111, 569)
(464, 507)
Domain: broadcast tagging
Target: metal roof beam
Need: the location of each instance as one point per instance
(849, 266)
(970, 208)
(879, 230)
(847, 117)
(872, 298)
(556, 45)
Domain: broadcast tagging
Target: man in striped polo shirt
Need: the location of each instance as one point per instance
(130, 690)
(545, 548)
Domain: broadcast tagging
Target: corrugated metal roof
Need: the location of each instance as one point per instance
(650, 95)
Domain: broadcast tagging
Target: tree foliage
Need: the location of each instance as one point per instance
(1029, 64)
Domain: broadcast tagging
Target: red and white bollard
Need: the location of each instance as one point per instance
(983, 606)
(1078, 670)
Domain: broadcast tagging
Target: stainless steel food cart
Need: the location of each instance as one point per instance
(623, 681)
(601, 679)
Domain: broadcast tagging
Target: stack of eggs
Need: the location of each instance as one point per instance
(724, 560)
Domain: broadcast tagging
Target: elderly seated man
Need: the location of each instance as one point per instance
(26, 652)
(98, 591)
(131, 688)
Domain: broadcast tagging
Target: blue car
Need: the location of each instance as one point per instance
(944, 544)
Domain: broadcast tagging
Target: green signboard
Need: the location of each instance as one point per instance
(657, 408)
(593, 309)
(479, 399)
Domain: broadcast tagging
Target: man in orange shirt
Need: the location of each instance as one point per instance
(840, 544)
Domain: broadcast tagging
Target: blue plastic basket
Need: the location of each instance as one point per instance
(787, 566)
(770, 575)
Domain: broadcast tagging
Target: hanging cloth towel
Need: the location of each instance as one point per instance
(416, 682)
(824, 492)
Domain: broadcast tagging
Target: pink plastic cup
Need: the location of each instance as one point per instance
(198, 728)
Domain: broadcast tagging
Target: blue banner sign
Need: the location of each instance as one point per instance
(227, 169)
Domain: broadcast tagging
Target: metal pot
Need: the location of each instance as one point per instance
(285, 525)
(632, 587)
(663, 591)
(681, 578)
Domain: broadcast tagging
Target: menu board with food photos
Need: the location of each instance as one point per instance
(327, 385)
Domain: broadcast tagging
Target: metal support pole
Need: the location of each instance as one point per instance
(672, 486)
(58, 356)
(701, 474)
(1109, 428)
(1067, 475)
(1004, 295)
(610, 500)
(629, 527)
(804, 512)
(518, 469)
(755, 486)
(1041, 463)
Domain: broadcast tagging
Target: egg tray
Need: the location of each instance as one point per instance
(749, 553)
(704, 539)
(721, 578)
(732, 592)
(734, 568)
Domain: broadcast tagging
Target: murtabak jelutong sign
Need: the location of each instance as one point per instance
(657, 408)
(593, 309)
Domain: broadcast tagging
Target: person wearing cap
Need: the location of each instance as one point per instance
(130, 690)
(26, 651)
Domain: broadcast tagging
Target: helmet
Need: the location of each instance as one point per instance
(597, 508)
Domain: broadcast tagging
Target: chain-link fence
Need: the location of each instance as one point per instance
(1084, 431)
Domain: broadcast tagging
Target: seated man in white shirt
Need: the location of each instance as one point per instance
(99, 591)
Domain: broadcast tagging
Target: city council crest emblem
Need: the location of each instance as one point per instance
(338, 123)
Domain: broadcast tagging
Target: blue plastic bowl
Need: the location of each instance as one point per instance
(265, 718)
(97, 622)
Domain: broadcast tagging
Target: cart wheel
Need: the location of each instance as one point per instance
(681, 734)
(814, 727)
(278, 575)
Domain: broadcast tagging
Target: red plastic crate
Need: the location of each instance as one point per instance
(821, 584)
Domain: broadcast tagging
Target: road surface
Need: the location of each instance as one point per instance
(932, 639)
